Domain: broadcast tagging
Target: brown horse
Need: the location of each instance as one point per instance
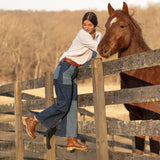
(123, 35)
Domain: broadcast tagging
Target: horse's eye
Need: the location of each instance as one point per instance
(121, 26)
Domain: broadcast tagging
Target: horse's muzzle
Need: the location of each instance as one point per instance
(104, 51)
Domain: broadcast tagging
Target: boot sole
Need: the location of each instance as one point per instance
(72, 148)
(27, 130)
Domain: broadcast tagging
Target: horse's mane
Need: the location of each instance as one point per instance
(131, 21)
(137, 27)
(137, 31)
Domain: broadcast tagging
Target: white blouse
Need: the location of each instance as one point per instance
(83, 48)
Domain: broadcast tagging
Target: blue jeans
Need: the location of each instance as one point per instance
(65, 80)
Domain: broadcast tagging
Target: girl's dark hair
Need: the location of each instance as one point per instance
(91, 16)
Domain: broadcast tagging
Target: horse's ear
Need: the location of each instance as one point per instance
(110, 9)
(125, 8)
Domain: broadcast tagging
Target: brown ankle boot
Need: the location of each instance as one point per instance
(31, 123)
(72, 143)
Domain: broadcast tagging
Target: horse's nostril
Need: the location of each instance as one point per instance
(105, 48)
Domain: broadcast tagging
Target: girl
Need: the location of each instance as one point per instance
(80, 53)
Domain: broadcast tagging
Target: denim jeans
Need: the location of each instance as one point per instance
(65, 80)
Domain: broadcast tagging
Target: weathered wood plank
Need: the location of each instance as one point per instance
(7, 108)
(18, 121)
(133, 95)
(7, 88)
(140, 94)
(10, 155)
(30, 84)
(34, 104)
(36, 147)
(133, 62)
(7, 126)
(132, 128)
(10, 126)
(130, 156)
(25, 96)
(85, 112)
(84, 73)
(86, 127)
(136, 95)
(85, 100)
(39, 103)
(49, 94)
(99, 110)
(32, 146)
(27, 106)
(126, 128)
(33, 84)
(83, 127)
(7, 145)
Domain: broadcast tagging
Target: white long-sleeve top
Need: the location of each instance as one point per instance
(83, 48)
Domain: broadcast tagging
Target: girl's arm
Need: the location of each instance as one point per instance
(87, 40)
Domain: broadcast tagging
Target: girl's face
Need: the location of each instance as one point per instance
(88, 26)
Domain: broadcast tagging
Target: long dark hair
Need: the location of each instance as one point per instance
(91, 16)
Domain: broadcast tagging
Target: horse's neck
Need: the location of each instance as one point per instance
(136, 46)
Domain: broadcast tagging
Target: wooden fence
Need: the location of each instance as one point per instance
(101, 127)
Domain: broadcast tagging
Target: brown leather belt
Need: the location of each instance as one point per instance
(71, 62)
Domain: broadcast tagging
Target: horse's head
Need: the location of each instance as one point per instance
(117, 36)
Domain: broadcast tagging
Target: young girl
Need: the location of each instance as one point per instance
(80, 53)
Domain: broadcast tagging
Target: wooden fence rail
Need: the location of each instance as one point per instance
(99, 99)
(137, 61)
(134, 95)
(126, 128)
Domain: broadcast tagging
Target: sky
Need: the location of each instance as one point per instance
(72, 5)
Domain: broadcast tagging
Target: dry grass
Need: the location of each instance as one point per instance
(32, 42)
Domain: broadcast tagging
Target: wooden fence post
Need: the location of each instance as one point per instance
(18, 121)
(99, 109)
(51, 155)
